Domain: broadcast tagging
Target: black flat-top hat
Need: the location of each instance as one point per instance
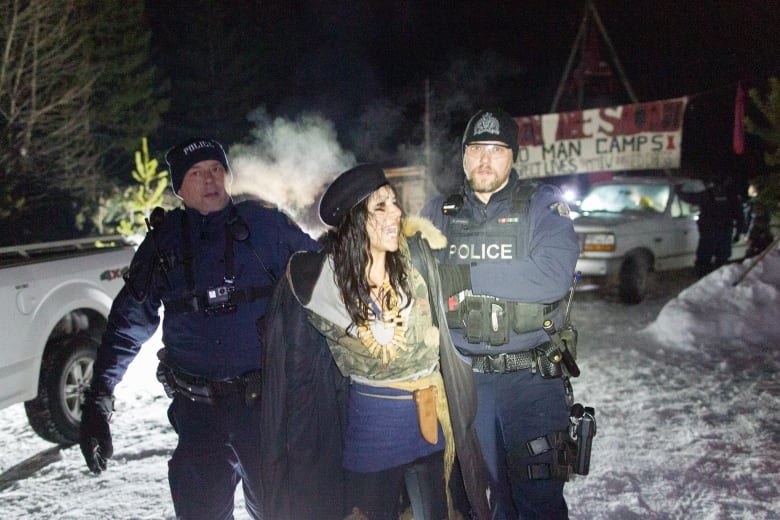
(349, 189)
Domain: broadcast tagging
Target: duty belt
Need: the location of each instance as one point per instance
(545, 358)
(200, 389)
(504, 362)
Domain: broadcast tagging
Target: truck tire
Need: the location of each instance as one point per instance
(634, 273)
(66, 372)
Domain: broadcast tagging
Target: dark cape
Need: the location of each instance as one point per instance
(304, 401)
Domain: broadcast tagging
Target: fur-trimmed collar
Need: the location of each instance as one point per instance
(413, 224)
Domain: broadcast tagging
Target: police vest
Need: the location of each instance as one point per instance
(472, 238)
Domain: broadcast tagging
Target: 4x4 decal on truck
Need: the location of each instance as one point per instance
(113, 274)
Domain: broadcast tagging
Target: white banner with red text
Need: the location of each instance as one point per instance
(641, 136)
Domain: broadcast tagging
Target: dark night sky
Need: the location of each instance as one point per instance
(343, 58)
(668, 48)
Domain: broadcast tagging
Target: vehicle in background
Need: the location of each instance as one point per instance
(54, 303)
(629, 227)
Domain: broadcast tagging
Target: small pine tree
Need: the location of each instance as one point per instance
(141, 199)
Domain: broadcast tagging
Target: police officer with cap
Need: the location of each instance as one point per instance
(212, 266)
(514, 246)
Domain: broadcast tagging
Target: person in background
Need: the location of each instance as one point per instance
(721, 221)
(365, 398)
(515, 243)
(212, 266)
(758, 217)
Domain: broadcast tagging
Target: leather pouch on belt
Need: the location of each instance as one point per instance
(425, 398)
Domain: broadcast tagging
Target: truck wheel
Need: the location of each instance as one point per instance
(66, 372)
(633, 278)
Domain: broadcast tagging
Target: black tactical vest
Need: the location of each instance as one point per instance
(473, 238)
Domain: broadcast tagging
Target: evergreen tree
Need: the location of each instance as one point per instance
(128, 97)
(768, 129)
(148, 192)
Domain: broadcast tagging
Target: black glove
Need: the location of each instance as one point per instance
(455, 278)
(737, 236)
(95, 435)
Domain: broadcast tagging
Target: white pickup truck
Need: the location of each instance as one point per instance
(631, 226)
(54, 303)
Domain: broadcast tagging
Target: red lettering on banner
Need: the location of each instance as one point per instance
(659, 116)
(609, 122)
(656, 116)
(571, 125)
(530, 130)
(636, 136)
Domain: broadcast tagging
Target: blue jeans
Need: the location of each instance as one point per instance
(512, 409)
(219, 446)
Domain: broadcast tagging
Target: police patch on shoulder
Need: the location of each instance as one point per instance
(561, 207)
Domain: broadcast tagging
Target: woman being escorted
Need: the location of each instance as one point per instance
(363, 391)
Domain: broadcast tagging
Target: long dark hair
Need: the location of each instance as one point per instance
(351, 258)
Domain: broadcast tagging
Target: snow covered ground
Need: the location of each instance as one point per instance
(685, 386)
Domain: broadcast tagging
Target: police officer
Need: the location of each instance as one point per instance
(516, 251)
(721, 221)
(212, 266)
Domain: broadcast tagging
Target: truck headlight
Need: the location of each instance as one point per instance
(604, 242)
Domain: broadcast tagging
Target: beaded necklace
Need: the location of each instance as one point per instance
(391, 317)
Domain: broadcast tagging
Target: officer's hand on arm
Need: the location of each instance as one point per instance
(455, 278)
(95, 434)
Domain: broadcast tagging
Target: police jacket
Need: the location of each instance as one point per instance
(304, 399)
(213, 275)
(520, 246)
(720, 207)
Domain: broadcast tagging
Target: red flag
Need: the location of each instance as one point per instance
(739, 124)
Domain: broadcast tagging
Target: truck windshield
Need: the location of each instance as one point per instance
(618, 198)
